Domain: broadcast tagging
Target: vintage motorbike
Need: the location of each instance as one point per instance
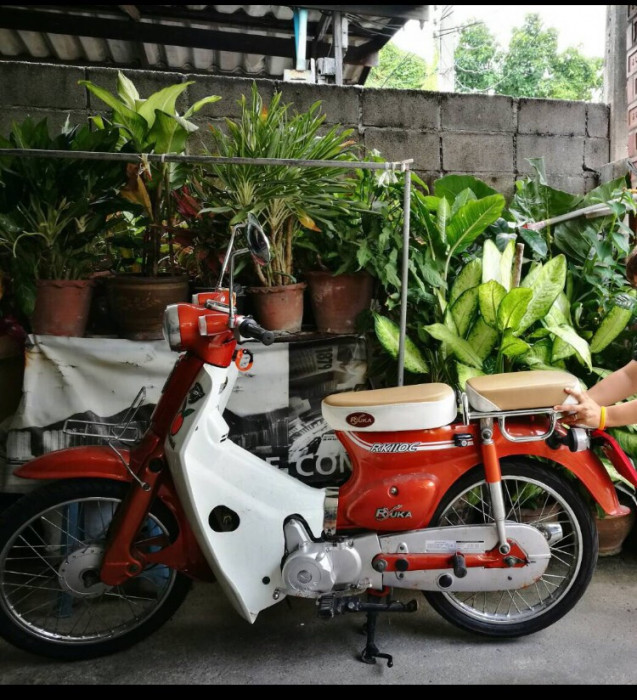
(482, 500)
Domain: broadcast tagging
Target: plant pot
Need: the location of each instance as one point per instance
(137, 303)
(337, 300)
(62, 307)
(279, 308)
(612, 530)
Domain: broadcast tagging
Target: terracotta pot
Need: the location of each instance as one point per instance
(337, 300)
(137, 303)
(279, 308)
(612, 530)
(62, 307)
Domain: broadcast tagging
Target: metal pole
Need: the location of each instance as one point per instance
(405, 277)
(337, 28)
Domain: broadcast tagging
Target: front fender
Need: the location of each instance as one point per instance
(77, 462)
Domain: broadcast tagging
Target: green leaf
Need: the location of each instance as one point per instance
(506, 265)
(547, 285)
(465, 373)
(451, 186)
(472, 220)
(513, 308)
(469, 277)
(491, 258)
(460, 348)
(490, 297)
(388, 334)
(570, 336)
(614, 322)
(127, 91)
(482, 338)
(168, 135)
(211, 99)
(463, 310)
(512, 346)
(164, 100)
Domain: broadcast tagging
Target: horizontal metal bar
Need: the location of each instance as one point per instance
(176, 158)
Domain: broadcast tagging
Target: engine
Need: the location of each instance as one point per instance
(314, 569)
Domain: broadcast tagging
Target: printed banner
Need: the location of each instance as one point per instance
(80, 391)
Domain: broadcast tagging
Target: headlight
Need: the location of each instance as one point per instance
(172, 328)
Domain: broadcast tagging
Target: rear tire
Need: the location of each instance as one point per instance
(52, 602)
(574, 550)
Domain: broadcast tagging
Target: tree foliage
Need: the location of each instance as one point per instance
(531, 67)
(401, 70)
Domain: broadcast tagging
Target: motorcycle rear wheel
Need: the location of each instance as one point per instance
(574, 549)
(52, 602)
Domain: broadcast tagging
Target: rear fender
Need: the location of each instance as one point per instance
(99, 462)
(585, 465)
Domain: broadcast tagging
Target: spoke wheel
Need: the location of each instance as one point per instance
(52, 601)
(537, 495)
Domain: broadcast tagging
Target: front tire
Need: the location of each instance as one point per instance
(568, 524)
(52, 602)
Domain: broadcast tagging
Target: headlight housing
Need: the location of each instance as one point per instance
(172, 328)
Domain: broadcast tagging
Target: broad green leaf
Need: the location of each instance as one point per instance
(535, 241)
(506, 266)
(469, 277)
(388, 334)
(490, 296)
(451, 186)
(491, 258)
(560, 313)
(546, 286)
(123, 116)
(513, 308)
(482, 338)
(464, 310)
(614, 322)
(211, 99)
(512, 346)
(465, 373)
(472, 220)
(561, 350)
(570, 336)
(460, 348)
(164, 100)
(127, 91)
(167, 135)
(443, 213)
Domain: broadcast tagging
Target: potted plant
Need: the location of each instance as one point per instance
(287, 198)
(54, 213)
(150, 125)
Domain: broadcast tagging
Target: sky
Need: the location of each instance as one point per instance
(578, 26)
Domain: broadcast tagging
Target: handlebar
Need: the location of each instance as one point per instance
(249, 328)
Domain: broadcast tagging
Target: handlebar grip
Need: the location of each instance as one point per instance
(251, 329)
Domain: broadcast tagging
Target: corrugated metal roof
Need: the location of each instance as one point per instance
(244, 40)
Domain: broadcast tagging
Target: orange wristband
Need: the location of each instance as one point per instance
(602, 418)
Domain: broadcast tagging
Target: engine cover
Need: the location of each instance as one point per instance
(314, 569)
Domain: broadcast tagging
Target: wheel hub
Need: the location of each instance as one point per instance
(79, 573)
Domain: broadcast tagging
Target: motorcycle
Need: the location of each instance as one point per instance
(481, 500)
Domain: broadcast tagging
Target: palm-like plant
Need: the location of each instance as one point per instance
(286, 197)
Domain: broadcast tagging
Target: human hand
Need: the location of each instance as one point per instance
(586, 413)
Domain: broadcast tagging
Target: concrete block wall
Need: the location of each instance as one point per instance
(491, 137)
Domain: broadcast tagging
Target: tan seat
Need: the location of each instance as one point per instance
(514, 391)
(418, 407)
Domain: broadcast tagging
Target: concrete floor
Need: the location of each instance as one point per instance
(206, 643)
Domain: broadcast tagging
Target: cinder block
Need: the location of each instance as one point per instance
(397, 145)
(477, 153)
(548, 117)
(340, 105)
(55, 118)
(231, 90)
(573, 184)
(146, 82)
(563, 155)
(598, 120)
(415, 110)
(502, 183)
(477, 113)
(596, 153)
(41, 86)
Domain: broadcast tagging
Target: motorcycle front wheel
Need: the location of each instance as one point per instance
(538, 495)
(52, 602)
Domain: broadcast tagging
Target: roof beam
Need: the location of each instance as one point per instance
(405, 12)
(146, 33)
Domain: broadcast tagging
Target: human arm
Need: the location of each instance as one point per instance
(615, 387)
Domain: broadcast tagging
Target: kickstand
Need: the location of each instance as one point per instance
(370, 653)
